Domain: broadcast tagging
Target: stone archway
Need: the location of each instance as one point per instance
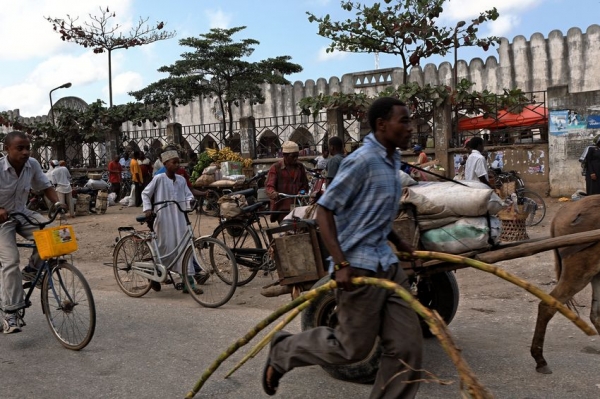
(208, 142)
(268, 145)
(303, 138)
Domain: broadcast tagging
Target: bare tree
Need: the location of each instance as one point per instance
(102, 35)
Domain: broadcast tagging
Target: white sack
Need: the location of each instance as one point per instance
(436, 200)
(112, 199)
(406, 180)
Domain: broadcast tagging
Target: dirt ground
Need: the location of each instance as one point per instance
(97, 235)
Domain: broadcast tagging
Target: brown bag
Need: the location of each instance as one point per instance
(205, 180)
(230, 206)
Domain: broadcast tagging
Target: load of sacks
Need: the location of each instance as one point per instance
(454, 218)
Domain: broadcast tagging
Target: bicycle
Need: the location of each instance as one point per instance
(137, 262)
(510, 182)
(246, 234)
(66, 297)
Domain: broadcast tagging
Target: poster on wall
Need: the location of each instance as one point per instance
(565, 121)
(593, 122)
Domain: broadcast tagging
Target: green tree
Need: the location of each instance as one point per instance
(218, 67)
(102, 35)
(91, 125)
(407, 28)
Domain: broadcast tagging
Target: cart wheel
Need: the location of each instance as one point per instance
(438, 292)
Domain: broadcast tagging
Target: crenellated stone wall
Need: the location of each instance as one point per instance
(570, 60)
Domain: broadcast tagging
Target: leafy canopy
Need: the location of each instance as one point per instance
(84, 126)
(217, 66)
(407, 28)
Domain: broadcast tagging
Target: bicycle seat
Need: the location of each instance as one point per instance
(249, 192)
(300, 222)
(141, 218)
(254, 207)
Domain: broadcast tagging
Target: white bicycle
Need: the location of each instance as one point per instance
(138, 264)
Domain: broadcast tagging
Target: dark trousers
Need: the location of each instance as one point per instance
(363, 315)
(116, 188)
(138, 193)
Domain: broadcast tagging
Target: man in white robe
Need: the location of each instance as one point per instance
(170, 225)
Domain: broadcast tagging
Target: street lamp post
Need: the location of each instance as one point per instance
(64, 86)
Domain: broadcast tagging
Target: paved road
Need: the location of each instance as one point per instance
(157, 347)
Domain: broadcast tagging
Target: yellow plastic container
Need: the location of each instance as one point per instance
(55, 241)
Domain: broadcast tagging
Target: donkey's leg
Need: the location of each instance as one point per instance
(572, 280)
(595, 312)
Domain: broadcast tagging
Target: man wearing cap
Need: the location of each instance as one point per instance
(421, 156)
(170, 224)
(287, 176)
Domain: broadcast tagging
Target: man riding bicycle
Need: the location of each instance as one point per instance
(18, 174)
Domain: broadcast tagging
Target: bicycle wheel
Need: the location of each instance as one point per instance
(69, 307)
(215, 259)
(236, 234)
(537, 207)
(210, 204)
(129, 249)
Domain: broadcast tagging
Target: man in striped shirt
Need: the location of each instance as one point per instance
(355, 216)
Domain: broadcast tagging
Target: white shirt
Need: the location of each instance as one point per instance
(62, 178)
(321, 162)
(14, 190)
(49, 174)
(476, 167)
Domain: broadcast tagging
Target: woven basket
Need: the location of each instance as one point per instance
(507, 189)
(513, 230)
(513, 223)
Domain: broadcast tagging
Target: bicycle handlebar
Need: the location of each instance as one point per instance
(41, 225)
(257, 176)
(173, 202)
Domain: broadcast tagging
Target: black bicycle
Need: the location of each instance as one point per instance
(246, 235)
(66, 297)
(510, 182)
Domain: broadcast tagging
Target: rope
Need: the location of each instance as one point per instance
(433, 174)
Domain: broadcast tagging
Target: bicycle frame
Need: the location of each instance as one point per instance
(42, 271)
(157, 270)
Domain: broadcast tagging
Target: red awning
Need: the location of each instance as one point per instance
(532, 115)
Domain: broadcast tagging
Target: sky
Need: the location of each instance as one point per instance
(34, 60)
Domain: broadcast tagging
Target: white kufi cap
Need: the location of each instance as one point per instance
(165, 156)
(289, 147)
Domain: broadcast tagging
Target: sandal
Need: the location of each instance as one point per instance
(155, 285)
(197, 290)
(270, 386)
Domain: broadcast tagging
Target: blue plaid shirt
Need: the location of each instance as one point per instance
(364, 197)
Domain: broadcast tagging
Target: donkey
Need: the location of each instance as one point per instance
(575, 267)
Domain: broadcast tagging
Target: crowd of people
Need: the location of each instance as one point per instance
(354, 215)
